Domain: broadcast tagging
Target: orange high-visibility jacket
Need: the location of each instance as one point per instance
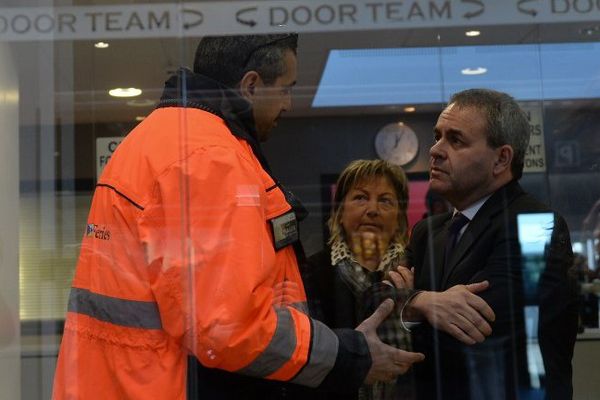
(178, 257)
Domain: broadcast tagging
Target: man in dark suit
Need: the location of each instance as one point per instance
(476, 161)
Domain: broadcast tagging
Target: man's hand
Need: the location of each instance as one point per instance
(387, 361)
(286, 293)
(457, 311)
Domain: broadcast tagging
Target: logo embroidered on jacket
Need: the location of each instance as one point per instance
(97, 231)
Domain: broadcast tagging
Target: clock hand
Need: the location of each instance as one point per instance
(398, 138)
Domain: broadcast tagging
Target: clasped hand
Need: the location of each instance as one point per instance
(458, 311)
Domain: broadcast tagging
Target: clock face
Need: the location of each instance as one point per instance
(397, 143)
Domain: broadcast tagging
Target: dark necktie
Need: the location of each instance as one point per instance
(456, 224)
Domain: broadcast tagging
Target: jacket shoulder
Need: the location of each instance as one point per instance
(165, 139)
(430, 223)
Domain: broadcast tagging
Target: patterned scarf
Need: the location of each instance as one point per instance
(360, 279)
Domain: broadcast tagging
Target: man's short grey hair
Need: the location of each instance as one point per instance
(507, 123)
(226, 59)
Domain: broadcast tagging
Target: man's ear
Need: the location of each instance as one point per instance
(248, 84)
(504, 156)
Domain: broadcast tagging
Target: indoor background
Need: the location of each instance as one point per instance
(362, 66)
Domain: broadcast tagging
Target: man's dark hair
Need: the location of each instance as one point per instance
(227, 58)
(506, 121)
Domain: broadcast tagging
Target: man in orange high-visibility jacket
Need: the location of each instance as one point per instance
(191, 249)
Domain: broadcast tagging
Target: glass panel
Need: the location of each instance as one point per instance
(372, 81)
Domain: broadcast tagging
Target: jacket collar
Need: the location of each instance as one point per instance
(187, 89)
(500, 199)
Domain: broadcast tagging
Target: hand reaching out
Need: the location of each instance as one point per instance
(286, 293)
(387, 361)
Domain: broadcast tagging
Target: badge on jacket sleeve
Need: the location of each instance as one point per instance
(285, 230)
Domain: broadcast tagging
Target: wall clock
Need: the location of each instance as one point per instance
(397, 143)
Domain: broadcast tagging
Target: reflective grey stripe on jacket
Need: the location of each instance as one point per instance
(301, 306)
(280, 349)
(283, 344)
(129, 313)
(323, 353)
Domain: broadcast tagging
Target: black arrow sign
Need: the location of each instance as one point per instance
(251, 23)
(197, 14)
(473, 14)
(531, 12)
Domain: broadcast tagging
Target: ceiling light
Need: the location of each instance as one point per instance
(140, 118)
(410, 109)
(141, 103)
(101, 45)
(472, 33)
(590, 30)
(474, 71)
(125, 92)
(9, 96)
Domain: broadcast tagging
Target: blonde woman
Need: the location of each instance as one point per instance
(369, 232)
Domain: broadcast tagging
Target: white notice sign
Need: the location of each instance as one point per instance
(105, 147)
(535, 156)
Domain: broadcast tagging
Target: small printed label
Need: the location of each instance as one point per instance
(285, 230)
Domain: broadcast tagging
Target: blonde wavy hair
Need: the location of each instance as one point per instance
(359, 171)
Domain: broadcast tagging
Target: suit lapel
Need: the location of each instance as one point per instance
(474, 230)
(439, 241)
(497, 203)
(433, 248)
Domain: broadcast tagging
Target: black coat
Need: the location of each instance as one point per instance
(489, 249)
(331, 301)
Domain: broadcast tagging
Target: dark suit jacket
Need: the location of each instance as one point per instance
(489, 249)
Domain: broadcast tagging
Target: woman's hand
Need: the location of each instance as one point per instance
(402, 277)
